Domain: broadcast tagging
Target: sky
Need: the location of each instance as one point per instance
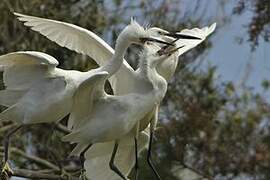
(232, 59)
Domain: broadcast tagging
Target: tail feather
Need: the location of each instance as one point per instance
(78, 149)
(72, 137)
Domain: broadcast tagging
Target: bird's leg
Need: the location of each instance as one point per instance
(149, 160)
(136, 159)
(82, 159)
(112, 165)
(5, 168)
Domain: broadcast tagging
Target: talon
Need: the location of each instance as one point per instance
(6, 170)
(83, 176)
(65, 174)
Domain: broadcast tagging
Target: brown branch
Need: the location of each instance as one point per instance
(196, 171)
(38, 175)
(7, 127)
(35, 159)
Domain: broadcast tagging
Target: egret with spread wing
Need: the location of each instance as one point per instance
(37, 91)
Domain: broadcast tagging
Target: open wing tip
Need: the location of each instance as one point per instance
(18, 14)
(213, 26)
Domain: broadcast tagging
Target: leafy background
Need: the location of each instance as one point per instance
(214, 121)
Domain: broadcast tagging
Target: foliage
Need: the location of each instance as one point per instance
(208, 126)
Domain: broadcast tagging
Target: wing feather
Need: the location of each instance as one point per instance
(21, 69)
(83, 98)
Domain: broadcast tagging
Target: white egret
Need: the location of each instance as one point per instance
(124, 80)
(40, 92)
(165, 69)
(114, 116)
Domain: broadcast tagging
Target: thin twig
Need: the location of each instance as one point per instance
(7, 127)
(38, 175)
(35, 159)
(196, 171)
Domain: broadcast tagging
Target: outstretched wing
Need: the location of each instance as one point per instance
(196, 32)
(91, 88)
(43, 102)
(21, 70)
(70, 36)
(77, 39)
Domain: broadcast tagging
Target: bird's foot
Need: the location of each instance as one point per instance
(82, 175)
(65, 174)
(6, 171)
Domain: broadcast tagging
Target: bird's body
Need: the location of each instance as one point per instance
(114, 116)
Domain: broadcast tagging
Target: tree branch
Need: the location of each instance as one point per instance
(35, 159)
(7, 127)
(196, 171)
(38, 175)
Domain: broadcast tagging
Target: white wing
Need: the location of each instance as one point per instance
(98, 157)
(89, 89)
(21, 70)
(191, 43)
(70, 36)
(78, 39)
(43, 102)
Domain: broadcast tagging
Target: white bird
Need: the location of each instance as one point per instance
(37, 91)
(114, 116)
(123, 81)
(165, 69)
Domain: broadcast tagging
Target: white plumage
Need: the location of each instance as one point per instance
(124, 81)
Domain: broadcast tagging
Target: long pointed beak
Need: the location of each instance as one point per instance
(163, 52)
(181, 36)
(156, 40)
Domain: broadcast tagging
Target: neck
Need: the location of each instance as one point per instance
(150, 74)
(117, 59)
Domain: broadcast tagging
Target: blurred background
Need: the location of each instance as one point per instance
(214, 121)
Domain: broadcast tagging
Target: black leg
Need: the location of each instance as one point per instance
(6, 141)
(149, 160)
(136, 159)
(112, 165)
(82, 158)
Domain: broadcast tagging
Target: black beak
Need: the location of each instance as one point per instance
(156, 40)
(177, 35)
(163, 52)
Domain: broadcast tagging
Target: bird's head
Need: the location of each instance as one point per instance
(137, 34)
(150, 54)
(156, 55)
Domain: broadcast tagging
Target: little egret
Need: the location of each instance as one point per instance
(37, 91)
(114, 116)
(165, 69)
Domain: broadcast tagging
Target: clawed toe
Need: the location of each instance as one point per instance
(6, 171)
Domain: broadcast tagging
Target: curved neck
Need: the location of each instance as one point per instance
(150, 74)
(117, 59)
